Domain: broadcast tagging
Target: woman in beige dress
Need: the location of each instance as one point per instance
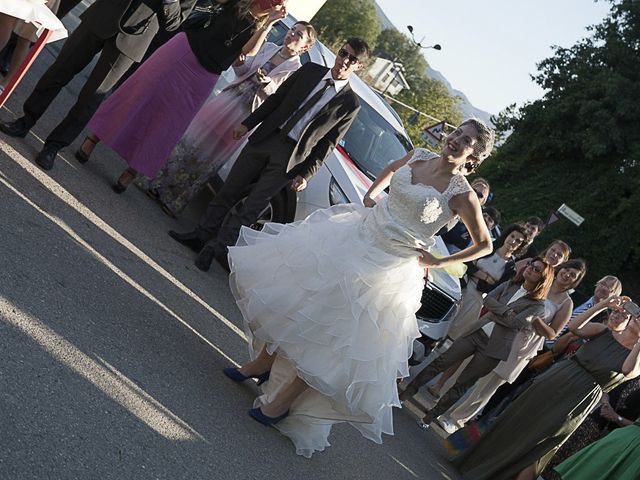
(26, 33)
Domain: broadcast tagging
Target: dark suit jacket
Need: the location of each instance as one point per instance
(507, 327)
(134, 27)
(322, 133)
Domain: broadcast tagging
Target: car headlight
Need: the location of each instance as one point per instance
(336, 195)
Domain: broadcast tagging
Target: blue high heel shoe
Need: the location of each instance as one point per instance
(235, 375)
(260, 417)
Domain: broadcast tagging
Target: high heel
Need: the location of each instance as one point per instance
(124, 180)
(260, 417)
(235, 375)
(81, 155)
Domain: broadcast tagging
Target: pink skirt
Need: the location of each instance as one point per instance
(144, 119)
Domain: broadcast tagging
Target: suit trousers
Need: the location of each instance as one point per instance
(66, 6)
(477, 399)
(77, 52)
(258, 174)
(480, 365)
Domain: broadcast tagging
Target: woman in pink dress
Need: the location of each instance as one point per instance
(208, 142)
(147, 115)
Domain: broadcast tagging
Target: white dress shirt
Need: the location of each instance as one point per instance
(298, 128)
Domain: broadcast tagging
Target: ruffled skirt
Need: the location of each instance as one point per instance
(339, 312)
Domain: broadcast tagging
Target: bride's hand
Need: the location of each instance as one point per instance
(368, 202)
(428, 260)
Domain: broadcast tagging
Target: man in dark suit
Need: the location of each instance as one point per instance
(300, 124)
(120, 30)
(511, 309)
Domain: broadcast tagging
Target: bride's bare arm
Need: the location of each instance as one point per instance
(383, 179)
(468, 208)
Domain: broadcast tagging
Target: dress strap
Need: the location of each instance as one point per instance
(458, 185)
(422, 154)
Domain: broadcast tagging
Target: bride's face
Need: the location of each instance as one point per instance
(459, 144)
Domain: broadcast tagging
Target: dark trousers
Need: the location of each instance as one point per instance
(479, 366)
(259, 173)
(77, 52)
(66, 6)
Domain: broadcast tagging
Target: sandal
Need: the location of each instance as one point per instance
(124, 180)
(81, 155)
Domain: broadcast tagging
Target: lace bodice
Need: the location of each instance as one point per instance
(412, 214)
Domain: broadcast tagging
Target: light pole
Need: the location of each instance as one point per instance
(437, 46)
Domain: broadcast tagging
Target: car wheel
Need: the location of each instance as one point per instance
(276, 211)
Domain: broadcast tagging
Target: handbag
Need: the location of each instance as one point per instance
(542, 361)
(201, 15)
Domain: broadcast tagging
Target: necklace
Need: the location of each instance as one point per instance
(228, 41)
(284, 57)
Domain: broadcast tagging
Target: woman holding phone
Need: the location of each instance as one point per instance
(525, 436)
(208, 142)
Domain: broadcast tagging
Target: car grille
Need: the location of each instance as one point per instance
(436, 305)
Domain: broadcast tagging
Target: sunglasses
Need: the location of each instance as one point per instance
(345, 54)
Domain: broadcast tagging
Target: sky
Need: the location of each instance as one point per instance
(490, 48)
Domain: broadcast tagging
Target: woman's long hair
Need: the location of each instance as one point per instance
(514, 227)
(541, 289)
(243, 7)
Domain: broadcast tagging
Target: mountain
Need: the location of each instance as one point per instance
(466, 107)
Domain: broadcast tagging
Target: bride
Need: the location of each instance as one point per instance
(329, 302)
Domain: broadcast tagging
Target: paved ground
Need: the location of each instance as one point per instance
(111, 342)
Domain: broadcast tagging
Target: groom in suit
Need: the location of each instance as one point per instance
(120, 31)
(300, 124)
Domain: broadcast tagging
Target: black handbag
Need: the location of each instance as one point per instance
(201, 15)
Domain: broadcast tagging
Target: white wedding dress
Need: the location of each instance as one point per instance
(335, 296)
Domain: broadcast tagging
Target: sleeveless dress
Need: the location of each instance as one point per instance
(542, 418)
(335, 295)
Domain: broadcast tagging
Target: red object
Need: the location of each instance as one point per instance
(26, 64)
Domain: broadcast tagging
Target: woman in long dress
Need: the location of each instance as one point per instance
(146, 116)
(208, 142)
(329, 302)
(529, 432)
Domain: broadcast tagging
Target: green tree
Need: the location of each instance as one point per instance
(394, 45)
(338, 20)
(429, 96)
(580, 145)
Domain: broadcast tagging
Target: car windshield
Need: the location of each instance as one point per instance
(372, 143)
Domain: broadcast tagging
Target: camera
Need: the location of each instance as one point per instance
(632, 308)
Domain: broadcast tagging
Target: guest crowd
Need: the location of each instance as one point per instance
(532, 372)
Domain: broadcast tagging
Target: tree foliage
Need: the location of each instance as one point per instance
(580, 145)
(425, 94)
(338, 20)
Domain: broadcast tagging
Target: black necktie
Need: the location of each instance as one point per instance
(295, 118)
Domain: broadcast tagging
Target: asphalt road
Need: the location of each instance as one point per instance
(112, 342)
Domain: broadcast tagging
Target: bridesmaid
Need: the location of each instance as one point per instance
(144, 118)
(208, 142)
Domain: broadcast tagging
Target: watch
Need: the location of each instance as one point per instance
(619, 419)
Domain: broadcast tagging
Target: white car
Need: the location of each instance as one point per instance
(375, 138)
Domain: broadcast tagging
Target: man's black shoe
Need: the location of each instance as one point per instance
(47, 157)
(204, 259)
(17, 128)
(223, 261)
(188, 239)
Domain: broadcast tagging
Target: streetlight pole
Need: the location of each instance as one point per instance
(437, 46)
